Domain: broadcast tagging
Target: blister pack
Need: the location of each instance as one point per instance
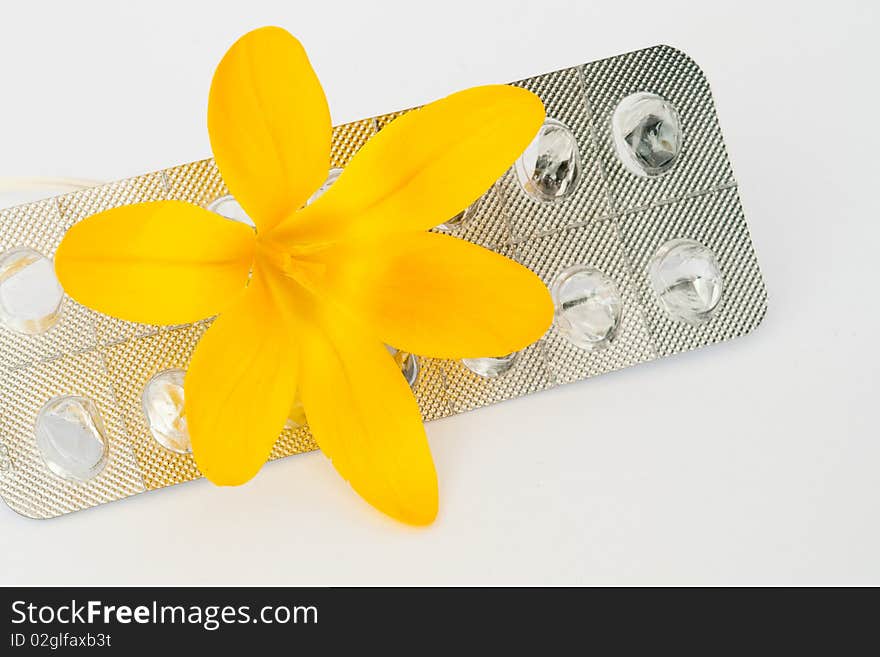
(625, 205)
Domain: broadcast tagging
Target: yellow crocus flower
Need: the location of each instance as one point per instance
(308, 300)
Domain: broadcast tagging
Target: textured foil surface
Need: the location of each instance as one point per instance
(613, 220)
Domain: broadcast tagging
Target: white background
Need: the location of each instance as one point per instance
(755, 461)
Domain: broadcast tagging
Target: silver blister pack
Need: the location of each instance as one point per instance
(625, 205)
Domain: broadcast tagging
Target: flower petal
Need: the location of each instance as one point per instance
(439, 296)
(424, 167)
(165, 262)
(363, 416)
(241, 383)
(269, 125)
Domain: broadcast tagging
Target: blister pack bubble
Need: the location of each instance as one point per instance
(625, 205)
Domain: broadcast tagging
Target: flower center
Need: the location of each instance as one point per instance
(296, 265)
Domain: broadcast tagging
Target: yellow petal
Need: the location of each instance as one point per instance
(363, 416)
(269, 125)
(240, 384)
(439, 296)
(424, 167)
(165, 262)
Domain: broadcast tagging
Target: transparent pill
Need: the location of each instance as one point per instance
(30, 294)
(647, 134)
(490, 367)
(460, 220)
(686, 280)
(408, 364)
(588, 307)
(549, 168)
(162, 402)
(227, 206)
(332, 177)
(71, 437)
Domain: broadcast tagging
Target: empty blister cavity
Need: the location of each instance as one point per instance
(588, 307)
(30, 294)
(549, 168)
(227, 206)
(686, 280)
(408, 364)
(332, 177)
(490, 368)
(647, 134)
(71, 437)
(460, 220)
(162, 403)
(296, 418)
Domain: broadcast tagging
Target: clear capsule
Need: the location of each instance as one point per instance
(71, 437)
(227, 206)
(332, 177)
(686, 281)
(589, 307)
(408, 364)
(30, 294)
(491, 368)
(163, 405)
(549, 168)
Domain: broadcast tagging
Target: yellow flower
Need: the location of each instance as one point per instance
(308, 301)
